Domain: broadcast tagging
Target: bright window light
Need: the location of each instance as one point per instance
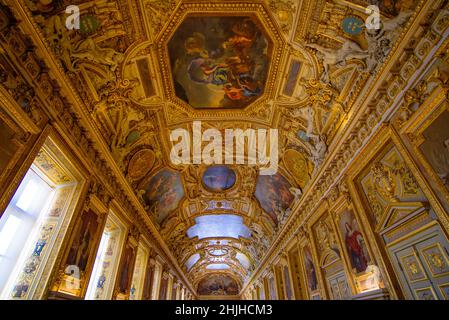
(28, 195)
(17, 226)
(98, 267)
(217, 266)
(223, 225)
(8, 232)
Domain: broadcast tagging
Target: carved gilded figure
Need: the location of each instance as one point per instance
(384, 181)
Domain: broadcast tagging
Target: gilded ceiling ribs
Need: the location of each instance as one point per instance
(122, 70)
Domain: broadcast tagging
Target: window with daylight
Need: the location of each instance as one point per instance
(17, 225)
(140, 266)
(101, 283)
(35, 222)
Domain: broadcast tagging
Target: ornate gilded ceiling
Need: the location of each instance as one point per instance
(143, 68)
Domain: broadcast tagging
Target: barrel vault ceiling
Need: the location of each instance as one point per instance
(143, 68)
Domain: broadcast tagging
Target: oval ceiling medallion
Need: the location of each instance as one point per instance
(141, 163)
(218, 178)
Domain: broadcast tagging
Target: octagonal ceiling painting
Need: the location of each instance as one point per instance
(219, 61)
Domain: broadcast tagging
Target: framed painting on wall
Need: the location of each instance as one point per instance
(312, 280)
(354, 241)
(435, 147)
(125, 273)
(79, 259)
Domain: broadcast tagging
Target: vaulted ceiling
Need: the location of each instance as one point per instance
(147, 67)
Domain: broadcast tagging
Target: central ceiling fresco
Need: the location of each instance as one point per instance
(146, 67)
(219, 62)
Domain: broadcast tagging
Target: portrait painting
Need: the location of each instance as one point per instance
(312, 281)
(273, 194)
(163, 193)
(148, 284)
(354, 241)
(83, 240)
(219, 61)
(143, 66)
(218, 284)
(435, 148)
(218, 178)
(126, 269)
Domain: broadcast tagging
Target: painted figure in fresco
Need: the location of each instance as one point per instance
(79, 252)
(273, 194)
(162, 193)
(222, 62)
(101, 281)
(40, 244)
(20, 290)
(218, 285)
(435, 148)
(354, 244)
(124, 276)
(219, 178)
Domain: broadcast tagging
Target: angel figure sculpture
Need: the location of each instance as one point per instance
(89, 50)
(380, 40)
(338, 57)
(308, 114)
(319, 149)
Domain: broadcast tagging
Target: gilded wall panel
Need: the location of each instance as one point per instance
(388, 180)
